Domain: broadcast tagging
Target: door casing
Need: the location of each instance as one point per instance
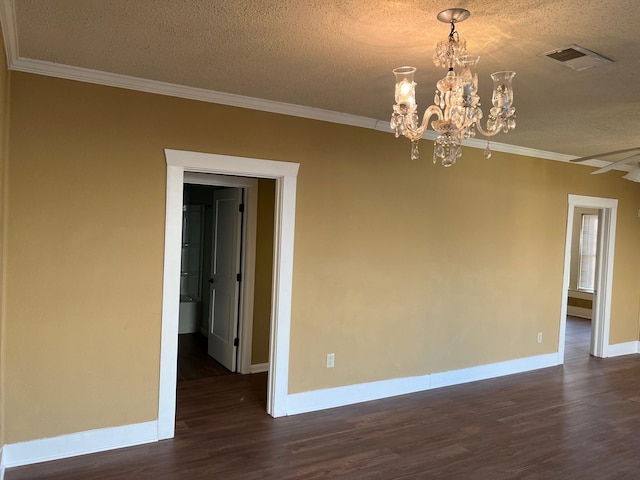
(285, 176)
(607, 218)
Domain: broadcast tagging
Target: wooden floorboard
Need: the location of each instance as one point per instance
(193, 360)
(577, 421)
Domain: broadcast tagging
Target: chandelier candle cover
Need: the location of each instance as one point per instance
(456, 101)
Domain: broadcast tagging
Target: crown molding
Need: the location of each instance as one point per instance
(193, 93)
(9, 30)
(39, 67)
(80, 74)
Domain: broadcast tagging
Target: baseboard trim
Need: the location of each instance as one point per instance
(74, 444)
(259, 368)
(340, 396)
(626, 348)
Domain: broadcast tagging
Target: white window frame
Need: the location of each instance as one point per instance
(588, 252)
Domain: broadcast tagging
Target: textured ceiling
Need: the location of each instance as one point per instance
(338, 55)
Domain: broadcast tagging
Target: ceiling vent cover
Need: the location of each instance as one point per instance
(577, 58)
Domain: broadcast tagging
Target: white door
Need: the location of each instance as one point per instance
(225, 268)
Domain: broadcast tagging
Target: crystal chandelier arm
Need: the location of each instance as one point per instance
(456, 101)
(415, 133)
(488, 132)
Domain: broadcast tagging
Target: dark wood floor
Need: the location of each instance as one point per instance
(577, 421)
(193, 360)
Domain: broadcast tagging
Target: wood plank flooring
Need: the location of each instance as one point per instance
(577, 421)
(193, 360)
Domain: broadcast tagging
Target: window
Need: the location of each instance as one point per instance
(588, 248)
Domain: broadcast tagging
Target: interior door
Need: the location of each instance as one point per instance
(225, 268)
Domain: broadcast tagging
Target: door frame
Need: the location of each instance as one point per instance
(285, 175)
(607, 219)
(247, 258)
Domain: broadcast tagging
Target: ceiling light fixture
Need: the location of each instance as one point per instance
(456, 102)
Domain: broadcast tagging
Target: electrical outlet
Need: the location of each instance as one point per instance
(331, 360)
(539, 337)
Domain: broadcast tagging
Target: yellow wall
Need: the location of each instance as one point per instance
(4, 153)
(264, 272)
(401, 268)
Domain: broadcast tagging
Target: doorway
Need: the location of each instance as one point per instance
(285, 175)
(601, 292)
(199, 354)
(226, 284)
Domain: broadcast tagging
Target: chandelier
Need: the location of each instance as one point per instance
(456, 101)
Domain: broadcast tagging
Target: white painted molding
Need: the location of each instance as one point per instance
(58, 70)
(592, 202)
(284, 173)
(626, 348)
(69, 72)
(260, 367)
(608, 212)
(81, 443)
(2, 468)
(364, 392)
(9, 30)
(494, 370)
(170, 304)
(87, 75)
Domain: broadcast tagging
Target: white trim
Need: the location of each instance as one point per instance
(81, 443)
(608, 209)
(2, 468)
(259, 367)
(626, 348)
(285, 174)
(250, 186)
(58, 70)
(170, 304)
(340, 396)
(9, 30)
(87, 75)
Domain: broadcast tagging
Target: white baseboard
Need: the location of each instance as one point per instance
(364, 392)
(259, 368)
(82, 443)
(626, 348)
(579, 312)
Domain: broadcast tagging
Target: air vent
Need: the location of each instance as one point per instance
(577, 58)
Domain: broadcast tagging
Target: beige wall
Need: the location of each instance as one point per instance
(264, 272)
(401, 268)
(4, 153)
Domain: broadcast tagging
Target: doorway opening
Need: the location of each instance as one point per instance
(586, 302)
(180, 163)
(225, 278)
